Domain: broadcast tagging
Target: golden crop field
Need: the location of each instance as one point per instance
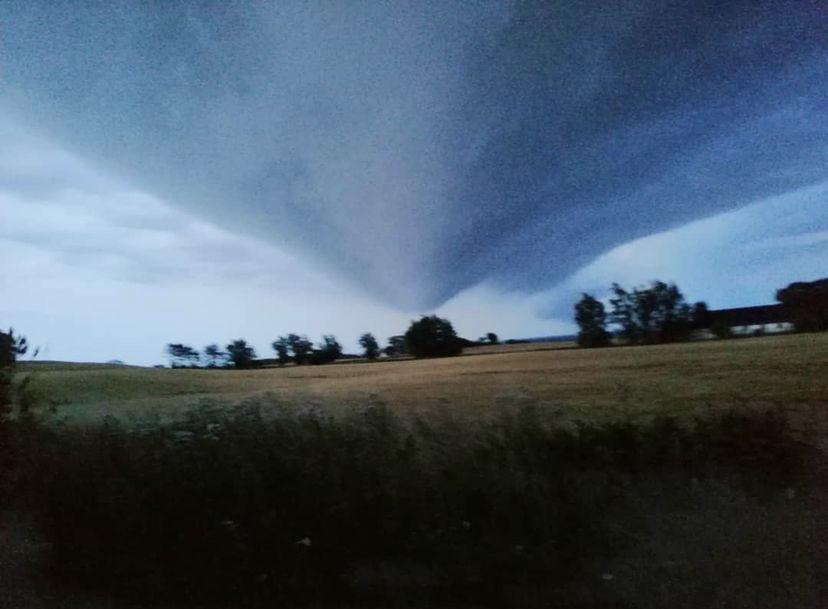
(785, 372)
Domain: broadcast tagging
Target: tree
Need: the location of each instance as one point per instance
(182, 356)
(329, 350)
(492, 339)
(592, 321)
(396, 346)
(656, 313)
(241, 354)
(300, 347)
(370, 346)
(701, 316)
(11, 347)
(432, 336)
(807, 304)
(214, 356)
(282, 348)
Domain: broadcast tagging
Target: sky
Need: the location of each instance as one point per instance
(185, 173)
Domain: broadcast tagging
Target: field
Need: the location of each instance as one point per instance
(503, 503)
(788, 373)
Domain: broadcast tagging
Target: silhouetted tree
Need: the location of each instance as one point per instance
(182, 356)
(329, 350)
(432, 336)
(214, 356)
(300, 348)
(241, 354)
(370, 346)
(282, 348)
(807, 304)
(396, 346)
(656, 313)
(623, 313)
(492, 338)
(592, 321)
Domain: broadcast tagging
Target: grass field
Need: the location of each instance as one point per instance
(783, 372)
(520, 508)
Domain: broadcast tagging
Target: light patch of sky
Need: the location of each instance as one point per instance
(738, 258)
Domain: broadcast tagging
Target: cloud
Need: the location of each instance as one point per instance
(738, 258)
(416, 150)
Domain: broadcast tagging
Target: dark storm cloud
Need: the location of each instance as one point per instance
(419, 149)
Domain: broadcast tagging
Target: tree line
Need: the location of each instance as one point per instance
(430, 336)
(659, 313)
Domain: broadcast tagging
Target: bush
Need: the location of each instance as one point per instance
(299, 507)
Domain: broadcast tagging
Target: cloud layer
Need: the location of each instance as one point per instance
(419, 149)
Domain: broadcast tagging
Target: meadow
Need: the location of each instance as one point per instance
(686, 475)
(787, 373)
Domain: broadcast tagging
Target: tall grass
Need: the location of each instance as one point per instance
(301, 508)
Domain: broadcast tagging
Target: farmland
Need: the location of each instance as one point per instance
(390, 502)
(788, 373)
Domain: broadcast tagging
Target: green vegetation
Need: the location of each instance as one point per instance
(677, 475)
(262, 505)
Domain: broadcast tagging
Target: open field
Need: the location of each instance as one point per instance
(521, 509)
(784, 372)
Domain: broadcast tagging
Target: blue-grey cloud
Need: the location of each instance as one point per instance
(421, 148)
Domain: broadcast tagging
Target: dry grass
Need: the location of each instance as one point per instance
(787, 372)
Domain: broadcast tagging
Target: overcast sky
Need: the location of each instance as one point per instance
(186, 174)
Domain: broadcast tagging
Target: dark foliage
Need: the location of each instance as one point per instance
(11, 347)
(300, 508)
(329, 350)
(13, 397)
(214, 356)
(807, 303)
(654, 314)
(700, 316)
(592, 322)
(241, 354)
(432, 336)
(370, 346)
(282, 348)
(396, 346)
(182, 356)
(300, 348)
